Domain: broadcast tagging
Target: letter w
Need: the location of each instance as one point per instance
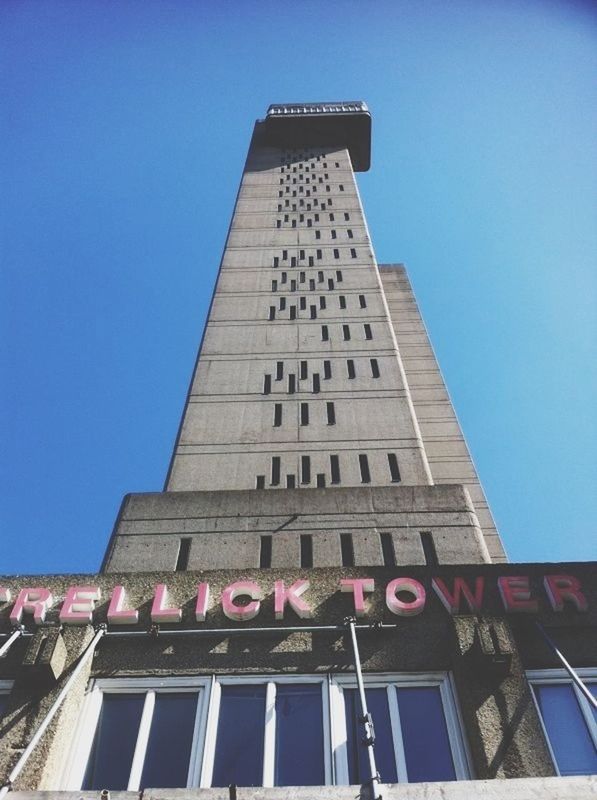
(452, 600)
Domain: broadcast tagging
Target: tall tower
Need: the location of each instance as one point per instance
(316, 415)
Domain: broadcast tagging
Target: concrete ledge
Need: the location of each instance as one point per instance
(577, 788)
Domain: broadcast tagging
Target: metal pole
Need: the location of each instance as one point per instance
(366, 716)
(569, 669)
(16, 770)
(18, 632)
(239, 631)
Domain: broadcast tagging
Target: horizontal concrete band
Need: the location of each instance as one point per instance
(577, 788)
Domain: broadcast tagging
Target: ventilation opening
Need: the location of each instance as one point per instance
(387, 550)
(429, 549)
(184, 551)
(306, 550)
(265, 551)
(347, 550)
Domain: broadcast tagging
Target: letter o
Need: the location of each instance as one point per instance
(400, 607)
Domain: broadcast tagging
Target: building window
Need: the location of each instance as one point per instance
(342, 301)
(265, 551)
(347, 550)
(184, 551)
(304, 371)
(387, 550)
(374, 368)
(327, 370)
(368, 332)
(306, 541)
(350, 368)
(364, 468)
(279, 370)
(331, 413)
(275, 471)
(305, 469)
(277, 415)
(260, 482)
(304, 413)
(346, 332)
(362, 301)
(335, 468)
(569, 722)
(264, 730)
(393, 465)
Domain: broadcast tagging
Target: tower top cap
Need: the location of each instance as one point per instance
(344, 123)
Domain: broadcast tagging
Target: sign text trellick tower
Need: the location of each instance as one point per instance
(317, 429)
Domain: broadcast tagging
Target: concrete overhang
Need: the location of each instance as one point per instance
(341, 124)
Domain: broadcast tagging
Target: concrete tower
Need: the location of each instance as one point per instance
(317, 428)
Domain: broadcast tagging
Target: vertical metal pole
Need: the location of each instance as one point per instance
(11, 639)
(16, 770)
(573, 674)
(366, 716)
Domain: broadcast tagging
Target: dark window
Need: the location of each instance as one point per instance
(387, 550)
(267, 384)
(184, 551)
(313, 312)
(276, 261)
(346, 332)
(374, 368)
(318, 234)
(265, 551)
(304, 370)
(342, 301)
(299, 759)
(336, 253)
(302, 277)
(292, 312)
(304, 413)
(322, 302)
(394, 471)
(349, 233)
(277, 415)
(283, 277)
(362, 301)
(339, 275)
(341, 187)
(239, 740)
(330, 284)
(367, 329)
(274, 286)
(331, 217)
(325, 333)
(331, 413)
(429, 551)
(302, 303)
(346, 216)
(319, 254)
(279, 370)
(320, 276)
(333, 234)
(353, 252)
(364, 467)
(293, 261)
(290, 482)
(260, 482)
(350, 368)
(306, 550)
(305, 469)
(311, 261)
(335, 468)
(301, 253)
(347, 550)
(327, 370)
(311, 284)
(272, 312)
(291, 383)
(320, 481)
(275, 477)
(282, 303)
(284, 255)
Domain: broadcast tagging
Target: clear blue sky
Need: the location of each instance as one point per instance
(124, 132)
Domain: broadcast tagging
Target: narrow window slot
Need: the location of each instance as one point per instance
(275, 476)
(304, 370)
(336, 253)
(394, 470)
(293, 261)
(349, 233)
(318, 234)
(267, 384)
(293, 286)
(282, 303)
(184, 551)
(311, 261)
(316, 384)
(346, 332)
(342, 301)
(325, 334)
(265, 552)
(291, 383)
(374, 368)
(276, 261)
(335, 468)
(272, 312)
(387, 549)
(327, 370)
(304, 413)
(303, 303)
(301, 253)
(331, 284)
(279, 370)
(331, 413)
(306, 541)
(339, 276)
(290, 482)
(429, 550)
(346, 216)
(320, 480)
(319, 254)
(333, 234)
(284, 255)
(277, 415)
(292, 312)
(260, 481)
(347, 550)
(350, 368)
(368, 332)
(322, 303)
(305, 469)
(311, 284)
(302, 277)
(313, 312)
(364, 467)
(283, 277)
(274, 286)
(341, 187)
(362, 301)
(320, 277)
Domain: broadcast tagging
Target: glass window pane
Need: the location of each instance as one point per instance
(239, 741)
(113, 747)
(299, 735)
(358, 760)
(170, 740)
(425, 735)
(567, 730)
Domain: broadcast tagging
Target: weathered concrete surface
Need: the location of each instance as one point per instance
(578, 788)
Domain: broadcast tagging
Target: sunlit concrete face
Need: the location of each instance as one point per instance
(315, 374)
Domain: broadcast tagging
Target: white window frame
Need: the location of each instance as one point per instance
(442, 680)
(536, 677)
(76, 765)
(201, 761)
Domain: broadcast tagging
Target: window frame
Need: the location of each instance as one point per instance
(209, 692)
(538, 677)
